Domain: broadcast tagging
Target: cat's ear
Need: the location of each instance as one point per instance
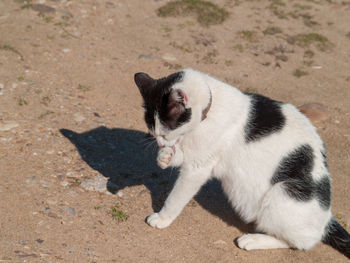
(144, 82)
(176, 104)
(179, 96)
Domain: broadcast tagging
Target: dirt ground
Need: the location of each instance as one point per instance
(71, 120)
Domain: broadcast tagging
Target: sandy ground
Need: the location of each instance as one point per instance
(70, 117)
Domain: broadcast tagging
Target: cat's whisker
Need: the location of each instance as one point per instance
(148, 142)
(145, 143)
(147, 139)
(149, 145)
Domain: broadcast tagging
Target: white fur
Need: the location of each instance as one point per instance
(260, 241)
(216, 147)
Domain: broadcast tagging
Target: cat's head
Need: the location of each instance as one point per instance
(170, 105)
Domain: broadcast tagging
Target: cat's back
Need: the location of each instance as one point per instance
(269, 119)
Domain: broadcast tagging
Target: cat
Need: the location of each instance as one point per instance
(268, 156)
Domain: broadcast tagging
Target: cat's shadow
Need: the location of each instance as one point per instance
(128, 158)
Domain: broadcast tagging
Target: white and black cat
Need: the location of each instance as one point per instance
(267, 155)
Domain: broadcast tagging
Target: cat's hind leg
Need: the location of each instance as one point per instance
(300, 223)
(260, 241)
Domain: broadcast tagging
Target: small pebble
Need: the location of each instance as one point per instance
(45, 184)
(8, 125)
(101, 121)
(23, 242)
(66, 14)
(169, 57)
(51, 202)
(71, 211)
(98, 184)
(220, 242)
(39, 240)
(30, 180)
(78, 117)
(144, 56)
(64, 183)
(43, 8)
(1, 89)
(66, 50)
(53, 215)
(76, 33)
(73, 173)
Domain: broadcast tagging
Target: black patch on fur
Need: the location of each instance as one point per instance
(156, 93)
(323, 192)
(170, 119)
(265, 117)
(337, 237)
(294, 171)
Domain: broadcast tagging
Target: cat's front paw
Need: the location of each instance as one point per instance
(164, 157)
(157, 221)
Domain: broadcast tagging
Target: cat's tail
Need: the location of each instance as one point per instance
(337, 237)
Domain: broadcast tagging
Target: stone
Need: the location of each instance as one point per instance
(71, 211)
(45, 184)
(43, 8)
(78, 117)
(51, 202)
(76, 33)
(50, 152)
(8, 125)
(64, 183)
(53, 215)
(74, 174)
(66, 15)
(169, 57)
(39, 240)
(316, 112)
(23, 242)
(30, 180)
(101, 121)
(1, 89)
(220, 242)
(66, 50)
(97, 184)
(145, 56)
